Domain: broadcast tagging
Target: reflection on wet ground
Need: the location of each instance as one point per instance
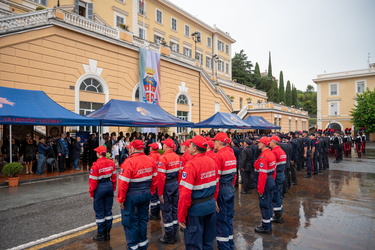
(333, 210)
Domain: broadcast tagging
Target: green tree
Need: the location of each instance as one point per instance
(364, 112)
(241, 69)
(269, 65)
(281, 88)
(307, 100)
(294, 96)
(257, 70)
(288, 94)
(275, 90)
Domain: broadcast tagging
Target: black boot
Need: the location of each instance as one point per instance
(167, 240)
(99, 237)
(278, 217)
(108, 234)
(154, 217)
(260, 229)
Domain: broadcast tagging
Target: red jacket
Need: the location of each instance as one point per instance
(199, 180)
(280, 157)
(155, 156)
(210, 154)
(185, 158)
(138, 171)
(227, 164)
(264, 165)
(169, 166)
(102, 168)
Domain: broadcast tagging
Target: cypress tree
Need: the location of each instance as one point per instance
(269, 65)
(294, 95)
(288, 94)
(276, 91)
(281, 88)
(270, 91)
(257, 70)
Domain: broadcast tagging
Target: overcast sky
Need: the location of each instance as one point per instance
(305, 37)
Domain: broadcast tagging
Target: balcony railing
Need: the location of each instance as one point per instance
(4, 13)
(243, 87)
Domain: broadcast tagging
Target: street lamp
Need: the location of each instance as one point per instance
(216, 59)
(197, 39)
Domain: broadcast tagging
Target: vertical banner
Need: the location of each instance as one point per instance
(149, 76)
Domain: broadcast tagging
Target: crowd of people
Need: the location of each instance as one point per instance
(192, 184)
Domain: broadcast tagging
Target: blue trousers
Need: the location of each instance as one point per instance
(224, 219)
(200, 232)
(277, 199)
(265, 203)
(155, 204)
(135, 219)
(103, 202)
(308, 163)
(315, 169)
(40, 163)
(169, 209)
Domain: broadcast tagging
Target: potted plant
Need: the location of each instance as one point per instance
(12, 170)
(231, 98)
(123, 26)
(248, 100)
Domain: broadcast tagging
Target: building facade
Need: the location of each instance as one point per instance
(81, 56)
(336, 96)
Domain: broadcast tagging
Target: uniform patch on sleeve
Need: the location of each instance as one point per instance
(261, 165)
(121, 171)
(184, 175)
(159, 164)
(91, 171)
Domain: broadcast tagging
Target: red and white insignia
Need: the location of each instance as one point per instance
(159, 164)
(91, 171)
(121, 171)
(261, 165)
(184, 175)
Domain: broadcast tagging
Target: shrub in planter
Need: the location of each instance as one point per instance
(12, 169)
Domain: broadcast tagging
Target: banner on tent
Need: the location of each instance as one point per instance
(149, 76)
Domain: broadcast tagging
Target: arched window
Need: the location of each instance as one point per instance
(335, 126)
(92, 85)
(182, 99)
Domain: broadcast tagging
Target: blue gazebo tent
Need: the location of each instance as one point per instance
(223, 120)
(136, 114)
(259, 122)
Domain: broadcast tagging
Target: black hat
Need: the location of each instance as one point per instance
(248, 141)
(236, 142)
(312, 134)
(305, 131)
(297, 132)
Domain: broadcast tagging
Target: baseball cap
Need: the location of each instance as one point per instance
(100, 149)
(264, 140)
(275, 138)
(186, 143)
(210, 144)
(221, 136)
(137, 144)
(154, 145)
(199, 141)
(169, 142)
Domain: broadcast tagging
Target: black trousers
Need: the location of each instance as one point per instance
(293, 172)
(61, 162)
(247, 180)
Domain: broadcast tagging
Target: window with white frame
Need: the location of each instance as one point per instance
(217, 107)
(333, 89)
(209, 42)
(227, 48)
(199, 58)
(220, 45)
(227, 68)
(208, 62)
(333, 108)
(220, 65)
(174, 24)
(184, 115)
(142, 33)
(187, 51)
(158, 39)
(182, 99)
(187, 30)
(174, 46)
(141, 7)
(120, 20)
(159, 16)
(91, 85)
(44, 2)
(360, 86)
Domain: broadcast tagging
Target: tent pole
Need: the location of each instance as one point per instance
(10, 143)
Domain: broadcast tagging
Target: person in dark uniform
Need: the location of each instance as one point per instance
(247, 167)
(318, 136)
(358, 144)
(307, 153)
(93, 143)
(301, 151)
(363, 141)
(314, 154)
(62, 152)
(235, 145)
(294, 157)
(102, 184)
(325, 148)
(336, 141)
(286, 146)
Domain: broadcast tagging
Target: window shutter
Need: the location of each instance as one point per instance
(90, 11)
(178, 48)
(76, 7)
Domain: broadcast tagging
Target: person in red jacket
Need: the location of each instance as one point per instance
(137, 181)
(226, 163)
(102, 184)
(168, 170)
(155, 202)
(198, 192)
(277, 200)
(210, 149)
(264, 168)
(186, 156)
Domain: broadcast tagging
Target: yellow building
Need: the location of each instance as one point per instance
(336, 96)
(82, 55)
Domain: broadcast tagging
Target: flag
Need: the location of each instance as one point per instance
(149, 76)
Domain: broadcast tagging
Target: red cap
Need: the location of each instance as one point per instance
(137, 144)
(199, 141)
(275, 138)
(100, 149)
(169, 142)
(210, 144)
(186, 143)
(154, 146)
(264, 140)
(221, 136)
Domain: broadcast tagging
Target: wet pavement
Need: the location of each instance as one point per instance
(332, 210)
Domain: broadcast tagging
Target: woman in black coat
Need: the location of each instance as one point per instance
(76, 152)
